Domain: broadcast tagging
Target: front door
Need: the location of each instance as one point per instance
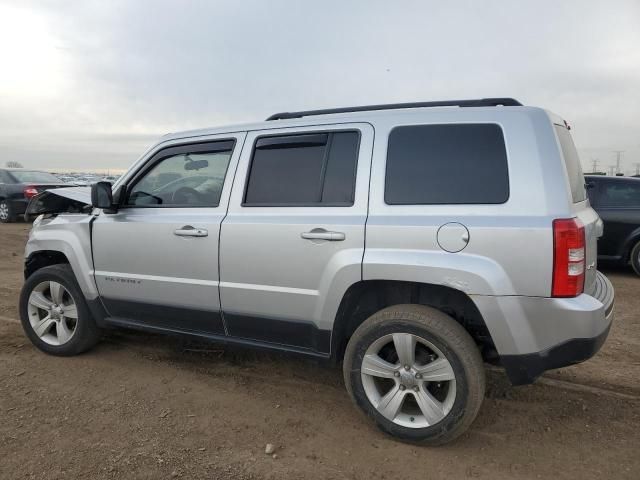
(156, 259)
(293, 239)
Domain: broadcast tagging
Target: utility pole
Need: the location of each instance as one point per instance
(637, 168)
(612, 170)
(618, 157)
(594, 163)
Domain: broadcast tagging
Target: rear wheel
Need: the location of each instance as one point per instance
(54, 314)
(7, 215)
(416, 372)
(635, 258)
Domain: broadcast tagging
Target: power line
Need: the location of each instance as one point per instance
(594, 163)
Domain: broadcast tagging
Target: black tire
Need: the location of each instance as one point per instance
(451, 339)
(86, 334)
(635, 258)
(10, 216)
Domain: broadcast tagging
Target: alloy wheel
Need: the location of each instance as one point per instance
(4, 211)
(53, 313)
(408, 380)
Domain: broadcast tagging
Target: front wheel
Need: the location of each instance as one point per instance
(54, 313)
(416, 372)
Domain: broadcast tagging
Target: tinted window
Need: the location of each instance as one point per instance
(619, 194)
(305, 169)
(446, 164)
(183, 180)
(26, 176)
(572, 164)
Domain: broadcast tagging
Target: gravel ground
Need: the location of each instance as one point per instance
(143, 406)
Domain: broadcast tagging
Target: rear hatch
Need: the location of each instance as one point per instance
(582, 209)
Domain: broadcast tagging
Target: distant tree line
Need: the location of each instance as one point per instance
(13, 164)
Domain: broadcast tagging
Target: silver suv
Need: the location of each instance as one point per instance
(409, 242)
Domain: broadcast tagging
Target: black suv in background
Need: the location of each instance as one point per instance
(18, 185)
(617, 201)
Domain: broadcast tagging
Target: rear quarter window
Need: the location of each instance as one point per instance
(446, 164)
(572, 164)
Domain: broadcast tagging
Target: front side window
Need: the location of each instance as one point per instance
(184, 180)
(315, 169)
(446, 164)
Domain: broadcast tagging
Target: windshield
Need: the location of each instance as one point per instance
(26, 176)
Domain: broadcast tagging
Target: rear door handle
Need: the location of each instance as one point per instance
(189, 231)
(322, 234)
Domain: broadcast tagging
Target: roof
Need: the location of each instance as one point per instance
(609, 177)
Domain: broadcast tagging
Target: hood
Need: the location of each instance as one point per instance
(60, 200)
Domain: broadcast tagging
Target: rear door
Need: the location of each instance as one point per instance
(293, 239)
(156, 259)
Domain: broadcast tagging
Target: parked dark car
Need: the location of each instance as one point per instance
(617, 201)
(18, 186)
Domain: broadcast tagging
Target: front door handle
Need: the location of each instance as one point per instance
(189, 231)
(322, 234)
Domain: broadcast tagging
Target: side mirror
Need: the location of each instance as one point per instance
(101, 196)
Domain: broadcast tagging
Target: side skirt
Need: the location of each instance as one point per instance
(216, 338)
(298, 337)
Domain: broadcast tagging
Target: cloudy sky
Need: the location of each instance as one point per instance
(91, 84)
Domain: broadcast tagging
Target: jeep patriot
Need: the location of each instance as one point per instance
(410, 243)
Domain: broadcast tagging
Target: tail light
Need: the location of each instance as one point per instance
(30, 192)
(568, 258)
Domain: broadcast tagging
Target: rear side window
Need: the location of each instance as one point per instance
(619, 194)
(316, 169)
(446, 164)
(572, 164)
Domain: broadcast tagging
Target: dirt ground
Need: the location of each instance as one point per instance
(143, 406)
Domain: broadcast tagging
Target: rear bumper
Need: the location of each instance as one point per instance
(525, 369)
(541, 334)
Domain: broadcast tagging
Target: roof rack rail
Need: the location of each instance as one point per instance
(481, 102)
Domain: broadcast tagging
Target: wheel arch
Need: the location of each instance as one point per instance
(70, 238)
(43, 258)
(364, 298)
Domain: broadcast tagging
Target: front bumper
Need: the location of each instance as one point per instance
(525, 368)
